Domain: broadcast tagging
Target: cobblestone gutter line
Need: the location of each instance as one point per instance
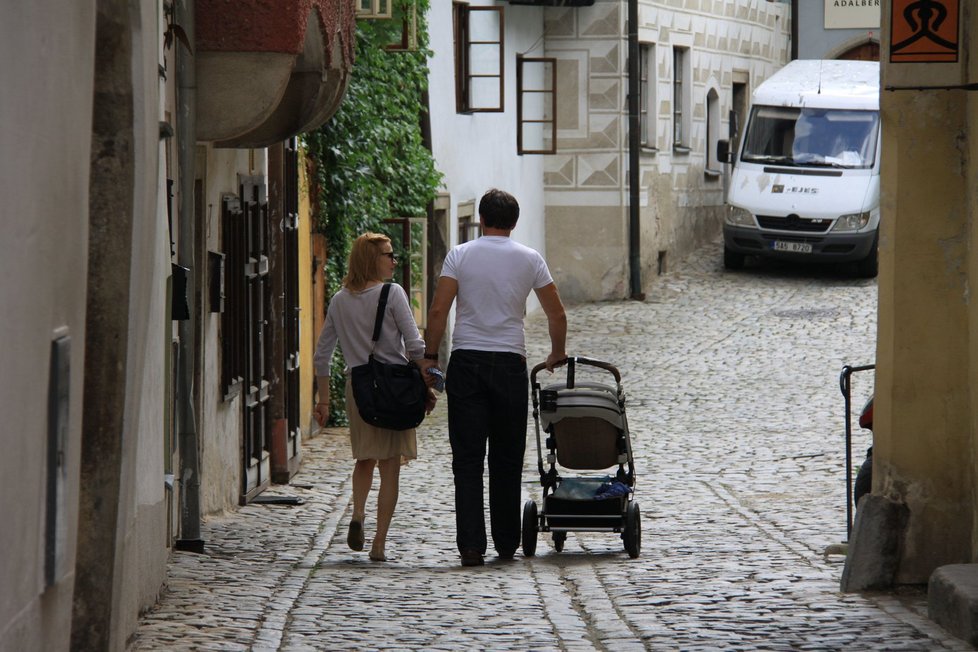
(236, 594)
(283, 600)
(734, 409)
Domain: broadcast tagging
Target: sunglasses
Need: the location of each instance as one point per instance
(389, 254)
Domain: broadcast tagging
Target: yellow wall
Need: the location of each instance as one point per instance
(924, 421)
(306, 303)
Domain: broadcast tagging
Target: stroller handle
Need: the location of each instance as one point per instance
(571, 360)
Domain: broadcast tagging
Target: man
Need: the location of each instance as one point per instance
(487, 383)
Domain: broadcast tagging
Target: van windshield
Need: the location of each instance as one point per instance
(811, 137)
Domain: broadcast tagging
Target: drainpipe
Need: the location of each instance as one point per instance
(794, 29)
(634, 234)
(186, 156)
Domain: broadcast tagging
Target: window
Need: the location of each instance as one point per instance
(469, 227)
(478, 58)
(409, 238)
(712, 132)
(646, 93)
(836, 138)
(406, 13)
(536, 105)
(739, 100)
(681, 99)
(374, 9)
(403, 11)
(233, 316)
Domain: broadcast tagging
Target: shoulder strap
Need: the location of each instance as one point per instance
(381, 305)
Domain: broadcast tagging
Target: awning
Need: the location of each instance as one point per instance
(270, 69)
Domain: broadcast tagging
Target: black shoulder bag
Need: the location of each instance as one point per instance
(388, 396)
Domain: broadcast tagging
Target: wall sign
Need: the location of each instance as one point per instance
(924, 31)
(852, 14)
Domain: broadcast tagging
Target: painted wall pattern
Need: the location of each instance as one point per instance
(681, 202)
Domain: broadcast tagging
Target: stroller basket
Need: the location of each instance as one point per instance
(586, 429)
(573, 506)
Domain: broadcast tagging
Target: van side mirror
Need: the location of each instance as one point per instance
(723, 151)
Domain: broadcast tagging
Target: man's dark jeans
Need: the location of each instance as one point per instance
(488, 396)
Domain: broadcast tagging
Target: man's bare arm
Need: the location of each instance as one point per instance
(441, 304)
(553, 307)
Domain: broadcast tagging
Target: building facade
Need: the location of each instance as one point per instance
(152, 249)
(474, 124)
(698, 62)
(547, 109)
(832, 29)
(921, 514)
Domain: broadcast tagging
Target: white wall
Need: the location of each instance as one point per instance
(219, 424)
(142, 512)
(48, 48)
(477, 151)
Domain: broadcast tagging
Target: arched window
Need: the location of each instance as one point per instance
(869, 51)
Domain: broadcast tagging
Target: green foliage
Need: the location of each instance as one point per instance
(370, 161)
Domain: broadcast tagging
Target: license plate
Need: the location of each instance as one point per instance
(793, 247)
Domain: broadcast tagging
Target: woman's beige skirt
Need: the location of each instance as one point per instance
(372, 443)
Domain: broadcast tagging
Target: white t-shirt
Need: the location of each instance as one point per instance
(495, 275)
(350, 320)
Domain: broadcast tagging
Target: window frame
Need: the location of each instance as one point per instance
(521, 91)
(233, 317)
(462, 14)
(375, 9)
(713, 167)
(681, 99)
(409, 238)
(407, 15)
(469, 225)
(648, 112)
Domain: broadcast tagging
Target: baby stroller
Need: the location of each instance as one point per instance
(586, 429)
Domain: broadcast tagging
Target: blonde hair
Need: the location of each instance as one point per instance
(362, 266)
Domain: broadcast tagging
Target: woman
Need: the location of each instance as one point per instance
(350, 321)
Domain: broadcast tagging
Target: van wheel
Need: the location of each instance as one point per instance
(732, 259)
(869, 266)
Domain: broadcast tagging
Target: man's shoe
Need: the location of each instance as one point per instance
(472, 558)
(507, 555)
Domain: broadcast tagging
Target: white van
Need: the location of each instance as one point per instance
(805, 183)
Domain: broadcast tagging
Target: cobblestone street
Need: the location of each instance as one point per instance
(737, 424)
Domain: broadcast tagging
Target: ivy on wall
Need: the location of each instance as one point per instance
(370, 162)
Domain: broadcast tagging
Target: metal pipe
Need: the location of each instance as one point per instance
(189, 471)
(634, 143)
(794, 29)
(845, 384)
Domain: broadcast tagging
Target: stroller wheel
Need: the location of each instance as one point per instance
(559, 539)
(632, 536)
(530, 527)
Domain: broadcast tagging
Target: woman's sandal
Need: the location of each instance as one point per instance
(354, 537)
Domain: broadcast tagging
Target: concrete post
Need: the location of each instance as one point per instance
(110, 207)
